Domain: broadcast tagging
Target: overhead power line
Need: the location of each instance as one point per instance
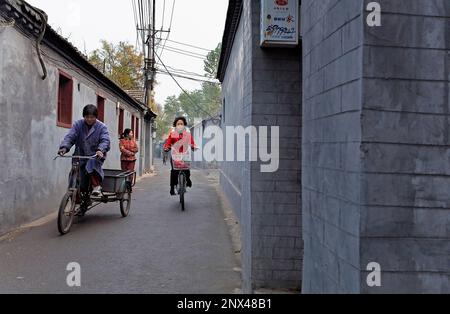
(163, 14)
(185, 54)
(186, 77)
(170, 27)
(188, 73)
(184, 91)
(171, 15)
(185, 72)
(187, 51)
(188, 45)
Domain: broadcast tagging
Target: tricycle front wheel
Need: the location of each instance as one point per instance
(66, 213)
(125, 204)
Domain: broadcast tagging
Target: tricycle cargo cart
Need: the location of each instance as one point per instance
(116, 187)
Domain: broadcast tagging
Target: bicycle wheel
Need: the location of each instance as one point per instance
(125, 204)
(182, 183)
(66, 213)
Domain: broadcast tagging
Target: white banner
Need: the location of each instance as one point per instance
(279, 23)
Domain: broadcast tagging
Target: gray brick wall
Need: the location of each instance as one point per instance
(235, 176)
(246, 205)
(270, 203)
(375, 146)
(332, 71)
(277, 246)
(406, 199)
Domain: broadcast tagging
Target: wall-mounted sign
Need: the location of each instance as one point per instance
(279, 23)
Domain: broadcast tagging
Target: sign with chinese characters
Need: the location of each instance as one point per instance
(279, 23)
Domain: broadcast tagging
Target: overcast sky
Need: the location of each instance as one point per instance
(195, 22)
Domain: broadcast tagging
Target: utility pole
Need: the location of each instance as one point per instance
(153, 46)
(153, 63)
(150, 58)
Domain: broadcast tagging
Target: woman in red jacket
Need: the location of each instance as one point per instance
(183, 139)
(129, 148)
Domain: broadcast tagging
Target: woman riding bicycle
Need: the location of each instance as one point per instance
(180, 140)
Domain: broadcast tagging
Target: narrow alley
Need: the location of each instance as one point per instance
(157, 249)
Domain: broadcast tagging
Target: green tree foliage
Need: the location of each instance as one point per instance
(212, 62)
(120, 63)
(211, 92)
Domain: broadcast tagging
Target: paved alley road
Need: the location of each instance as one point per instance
(157, 249)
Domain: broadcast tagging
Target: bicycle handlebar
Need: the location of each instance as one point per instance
(76, 157)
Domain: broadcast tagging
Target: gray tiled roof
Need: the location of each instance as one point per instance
(231, 25)
(138, 94)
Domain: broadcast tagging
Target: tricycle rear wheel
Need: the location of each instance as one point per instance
(125, 204)
(66, 213)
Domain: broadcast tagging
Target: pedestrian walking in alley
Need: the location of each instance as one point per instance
(90, 137)
(128, 148)
(181, 140)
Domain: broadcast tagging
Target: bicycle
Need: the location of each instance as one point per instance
(117, 186)
(181, 163)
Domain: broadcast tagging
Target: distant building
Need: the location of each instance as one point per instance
(197, 132)
(35, 114)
